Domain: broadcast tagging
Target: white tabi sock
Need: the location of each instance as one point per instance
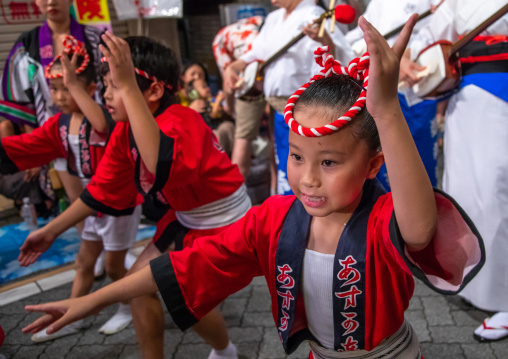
(42, 336)
(98, 269)
(228, 353)
(119, 321)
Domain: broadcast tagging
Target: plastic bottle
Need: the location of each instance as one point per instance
(29, 216)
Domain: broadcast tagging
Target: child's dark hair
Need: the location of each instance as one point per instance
(88, 75)
(158, 61)
(187, 65)
(339, 93)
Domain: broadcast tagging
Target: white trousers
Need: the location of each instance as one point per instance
(476, 175)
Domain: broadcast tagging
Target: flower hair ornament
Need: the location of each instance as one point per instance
(71, 46)
(145, 75)
(358, 69)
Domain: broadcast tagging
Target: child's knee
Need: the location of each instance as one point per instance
(84, 263)
(114, 264)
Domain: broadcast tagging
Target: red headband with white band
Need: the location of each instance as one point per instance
(358, 69)
(71, 46)
(145, 75)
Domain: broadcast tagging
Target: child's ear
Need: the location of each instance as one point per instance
(155, 92)
(375, 164)
(91, 88)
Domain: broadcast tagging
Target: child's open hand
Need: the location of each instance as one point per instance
(34, 246)
(69, 69)
(59, 314)
(118, 55)
(384, 67)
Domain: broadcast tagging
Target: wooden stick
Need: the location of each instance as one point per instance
(322, 29)
(332, 26)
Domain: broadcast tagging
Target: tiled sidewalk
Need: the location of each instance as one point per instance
(444, 326)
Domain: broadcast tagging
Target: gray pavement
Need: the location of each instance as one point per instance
(444, 326)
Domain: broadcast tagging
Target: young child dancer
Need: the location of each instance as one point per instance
(338, 256)
(174, 162)
(79, 133)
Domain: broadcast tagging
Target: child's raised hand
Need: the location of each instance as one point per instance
(384, 67)
(59, 314)
(118, 55)
(69, 69)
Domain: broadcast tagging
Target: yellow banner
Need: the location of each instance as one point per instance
(92, 12)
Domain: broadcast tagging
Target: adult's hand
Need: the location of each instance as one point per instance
(230, 75)
(408, 70)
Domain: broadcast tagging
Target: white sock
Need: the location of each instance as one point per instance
(129, 260)
(119, 321)
(73, 328)
(497, 322)
(228, 353)
(98, 269)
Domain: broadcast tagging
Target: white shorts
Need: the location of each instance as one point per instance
(116, 233)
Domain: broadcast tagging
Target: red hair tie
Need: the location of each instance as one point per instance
(71, 46)
(145, 75)
(358, 69)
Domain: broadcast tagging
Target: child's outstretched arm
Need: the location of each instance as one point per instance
(144, 128)
(413, 197)
(91, 109)
(60, 314)
(41, 240)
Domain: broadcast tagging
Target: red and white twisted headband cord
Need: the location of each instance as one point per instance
(71, 46)
(358, 69)
(145, 75)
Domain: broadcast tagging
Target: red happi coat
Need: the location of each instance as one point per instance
(374, 272)
(192, 170)
(51, 141)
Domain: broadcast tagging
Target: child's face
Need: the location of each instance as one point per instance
(61, 95)
(327, 173)
(202, 87)
(114, 102)
(195, 72)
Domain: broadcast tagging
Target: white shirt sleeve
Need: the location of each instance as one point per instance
(259, 50)
(458, 17)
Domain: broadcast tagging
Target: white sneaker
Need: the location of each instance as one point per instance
(98, 269)
(72, 328)
(119, 321)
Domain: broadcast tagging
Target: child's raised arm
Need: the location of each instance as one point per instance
(90, 109)
(60, 314)
(144, 128)
(413, 196)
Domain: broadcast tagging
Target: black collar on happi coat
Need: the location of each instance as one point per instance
(84, 147)
(348, 280)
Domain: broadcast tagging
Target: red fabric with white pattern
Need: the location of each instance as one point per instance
(71, 46)
(358, 69)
